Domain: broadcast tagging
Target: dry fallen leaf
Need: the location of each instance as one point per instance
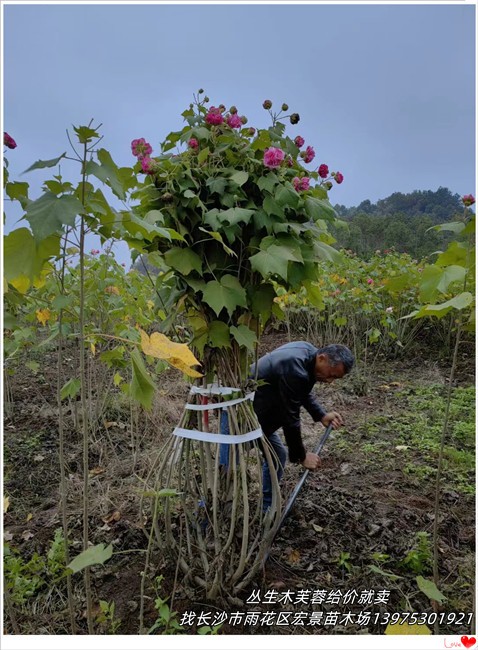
(38, 458)
(293, 557)
(29, 516)
(318, 529)
(7, 536)
(27, 534)
(108, 425)
(115, 516)
(6, 504)
(97, 470)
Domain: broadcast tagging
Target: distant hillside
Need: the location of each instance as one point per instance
(400, 221)
(440, 206)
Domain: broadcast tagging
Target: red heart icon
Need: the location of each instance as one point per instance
(468, 641)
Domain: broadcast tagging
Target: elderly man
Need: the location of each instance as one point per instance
(288, 375)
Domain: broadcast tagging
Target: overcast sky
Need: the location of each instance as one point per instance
(386, 93)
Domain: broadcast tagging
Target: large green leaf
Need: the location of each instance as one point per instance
(183, 260)
(94, 555)
(430, 589)
(461, 301)
(239, 177)
(107, 172)
(437, 279)
(319, 209)
(218, 335)
(70, 389)
(244, 336)
(271, 207)
(41, 164)
(235, 215)
(268, 182)
(216, 185)
(326, 252)
(49, 213)
(262, 301)
(456, 253)
(228, 294)
(286, 196)
(23, 256)
(142, 386)
(146, 228)
(18, 192)
(453, 226)
(270, 262)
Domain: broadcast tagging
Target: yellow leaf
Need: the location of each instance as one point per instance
(29, 516)
(21, 283)
(117, 379)
(6, 504)
(177, 354)
(180, 365)
(92, 348)
(150, 304)
(405, 629)
(112, 289)
(43, 315)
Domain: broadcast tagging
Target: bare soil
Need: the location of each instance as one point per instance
(359, 504)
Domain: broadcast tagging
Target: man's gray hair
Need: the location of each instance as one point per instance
(338, 353)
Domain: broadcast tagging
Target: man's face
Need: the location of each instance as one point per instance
(326, 373)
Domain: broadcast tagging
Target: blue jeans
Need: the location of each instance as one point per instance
(279, 463)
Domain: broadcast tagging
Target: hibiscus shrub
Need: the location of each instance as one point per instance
(230, 216)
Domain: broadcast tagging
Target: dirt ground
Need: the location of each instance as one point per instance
(360, 510)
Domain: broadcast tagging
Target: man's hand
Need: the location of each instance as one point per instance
(311, 461)
(333, 418)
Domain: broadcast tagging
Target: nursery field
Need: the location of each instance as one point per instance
(363, 522)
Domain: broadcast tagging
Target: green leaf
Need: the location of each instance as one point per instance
(235, 215)
(268, 182)
(227, 294)
(201, 133)
(50, 213)
(272, 207)
(18, 192)
(430, 589)
(239, 177)
(183, 260)
(287, 197)
(94, 555)
(41, 164)
(142, 386)
(70, 389)
(216, 185)
(325, 252)
(270, 262)
(244, 336)
(62, 301)
(435, 278)
(461, 301)
(203, 154)
(23, 256)
(456, 253)
(9, 321)
(85, 134)
(452, 226)
(262, 301)
(107, 172)
(218, 335)
(262, 141)
(319, 209)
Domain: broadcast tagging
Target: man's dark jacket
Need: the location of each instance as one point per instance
(289, 373)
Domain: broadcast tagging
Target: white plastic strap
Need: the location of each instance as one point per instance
(222, 438)
(213, 389)
(218, 405)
